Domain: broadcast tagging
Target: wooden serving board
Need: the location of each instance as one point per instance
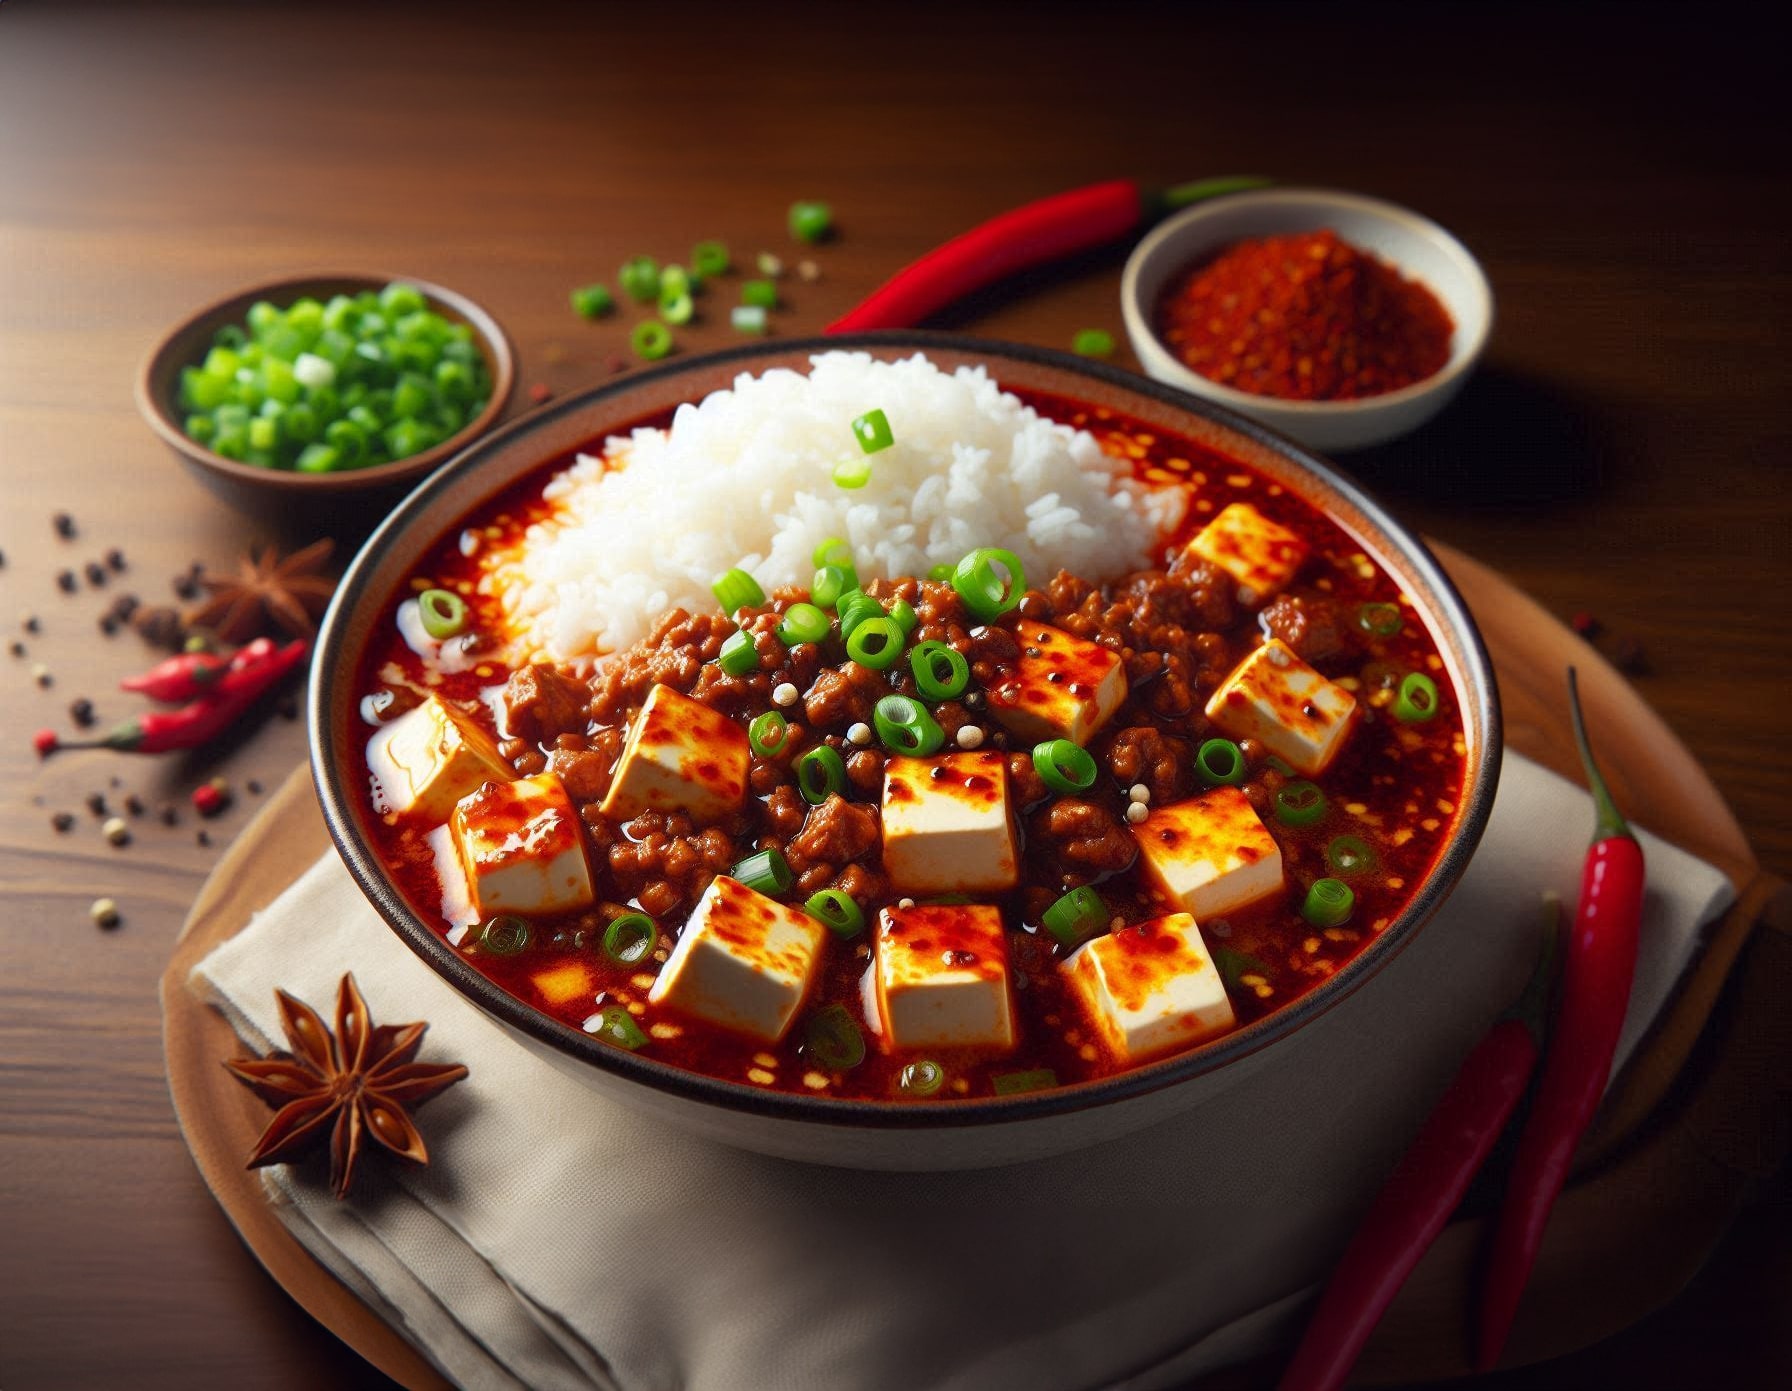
(1655, 778)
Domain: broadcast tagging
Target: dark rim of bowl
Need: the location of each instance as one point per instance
(363, 862)
(157, 406)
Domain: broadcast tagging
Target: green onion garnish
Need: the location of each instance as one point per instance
(740, 655)
(833, 1039)
(820, 774)
(1063, 766)
(832, 551)
(651, 340)
(941, 571)
(852, 473)
(904, 614)
(640, 279)
(1234, 966)
(759, 294)
(1036, 1080)
(735, 590)
(980, 581)
(710, 259)
(1349, 855)
(1328, 902)
(1076, 917)
(1416, 700)
(923, 1077)
(677, 309)
(747, 318)
(630, 938)
(505, 935)
(843, 917)
(616, 1025)
(875, 642)
(853, 608)
(905, 727)
(1299, 804)
(1220, 763)
(764, 871)
(941, 672)
(1383, 620)
(592, 301)
(769, 265)
(831, 582)
(444, 613)
(810, 221)
(1093, 342)
(802, 623)
(872, 430)
(768, 733)
(674, 281)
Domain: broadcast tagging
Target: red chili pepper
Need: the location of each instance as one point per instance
(1596, 983)
(197, 723)
(1426, 1186)
(46, 742)
(1042, 231)
(189, 675)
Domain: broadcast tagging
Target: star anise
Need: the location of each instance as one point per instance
(268, 592)
(358, 1082)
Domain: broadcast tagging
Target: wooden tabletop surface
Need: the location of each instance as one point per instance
(1622, 451)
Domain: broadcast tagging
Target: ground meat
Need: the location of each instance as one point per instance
(1309, 624)
(663, 861)
(1084, 840)
(865, 771)
(836, 833)
(785, 810)
(1210, 593)
(585, 772)
(1024, 783)
(862, 884)
(1161, 761)
(542, 701)
(843, 696)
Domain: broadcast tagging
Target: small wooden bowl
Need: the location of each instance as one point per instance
(355, 499)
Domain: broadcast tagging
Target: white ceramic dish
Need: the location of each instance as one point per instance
(1415, 244)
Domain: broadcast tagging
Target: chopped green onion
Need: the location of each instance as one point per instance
(810, 221)
(1076, 917)
(843, 917)
(832, 551)
(768, 733)
(905, 727)
(640, 279)
(802, 623)
(1349, 855)
(735, 589)
(1063, 766)
(740, 654)
(852, 473)
(904, 614)
(617, 1026)
(1220, 763)
(505, 935)
(710, 259)
(764, 871)
(923, 1077)
(319, 458)
(833, 1039)
(1037, 1079)
(982, 586)
(1093, 342)
(1328, 903)
(674, 281)
(853, 608)
(875, 642)
(630, 938)
(820, 773)
(759, 294)
(651, 340)
(1234, 966)
(747, 318)
(942, 571)
(770, 266)
(1299, 804)
(1383, 620)
(592, 301)
(872, 430)
(830, 583)
(941, 672)
(677, 309)
(1416, 701)
(444, 613)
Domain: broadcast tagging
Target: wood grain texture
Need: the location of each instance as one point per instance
(1622, 452)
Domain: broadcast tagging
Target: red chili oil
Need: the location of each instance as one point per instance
(1307, 317)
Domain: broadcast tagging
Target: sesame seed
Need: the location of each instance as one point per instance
(784, 694)
(905, 903)
(104, 913)
(1138, 792)
(116, 832)
(970, 736)
(1137, 812)
(860, 733)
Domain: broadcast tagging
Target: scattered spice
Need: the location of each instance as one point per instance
(160, 626)
(540, 391)
(96, 803)
(808, 270)
(1629, 657)
(66, 582)
(288, 708)
(46, 742)
(124, 606)
(64, 525)
(108, 625)
(254, 787)
(268, 592)
(186, 585)
(363, 1081)
(104, 913)
(1306, 317)
(203, 837)
(170, 814)
(96, 574)
(80, 710)
(17, 648)
(62, 822)
(210, 798)
(133, 804)
(32, 625)
(115, 560)
(116, 832)
(41, 674)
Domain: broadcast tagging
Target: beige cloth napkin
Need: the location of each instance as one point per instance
(561, 1240)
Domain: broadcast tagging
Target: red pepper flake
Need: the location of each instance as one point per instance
(1586, 625)
(46, 742)
(212, 797)
(540, 391)
(1304, 318)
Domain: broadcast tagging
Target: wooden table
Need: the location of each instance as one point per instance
(1621, 452)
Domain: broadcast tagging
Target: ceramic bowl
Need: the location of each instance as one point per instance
(1418, 247)
(870, 1134)
(335, 500)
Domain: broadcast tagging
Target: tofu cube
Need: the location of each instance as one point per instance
(942, 978)
(1151, 988)
(1276, 698)
(522, 848)
(1211, 854)
(946, 824)
(1061, 688)
(428, 758)
(1261, 555)
(681, 755)
(743, 962)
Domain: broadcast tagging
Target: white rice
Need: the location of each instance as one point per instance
(746, 478)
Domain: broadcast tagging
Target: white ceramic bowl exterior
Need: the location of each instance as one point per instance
(1416, 245)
